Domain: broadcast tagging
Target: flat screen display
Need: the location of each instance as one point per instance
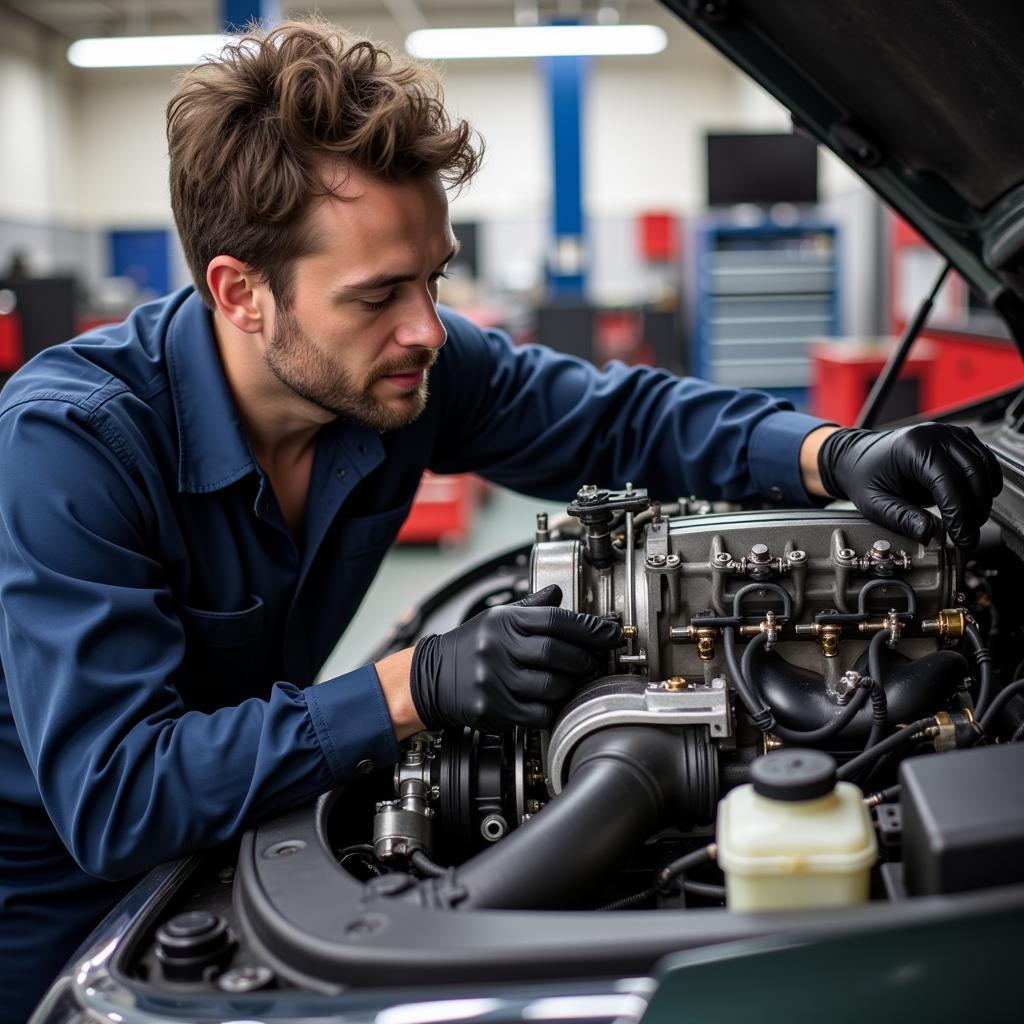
(761, 168)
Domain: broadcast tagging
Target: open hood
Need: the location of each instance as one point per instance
(921, 98)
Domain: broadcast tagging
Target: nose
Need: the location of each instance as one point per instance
(422, 327)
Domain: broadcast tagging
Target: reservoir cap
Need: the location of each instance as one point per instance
(793, 774)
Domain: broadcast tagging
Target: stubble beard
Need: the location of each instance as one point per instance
(311, 374)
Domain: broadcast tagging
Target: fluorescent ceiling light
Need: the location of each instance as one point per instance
(536, 41)
(145, 51)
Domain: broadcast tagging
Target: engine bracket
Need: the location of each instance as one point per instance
(629, 702)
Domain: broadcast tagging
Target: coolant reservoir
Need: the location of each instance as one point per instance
(794, 837)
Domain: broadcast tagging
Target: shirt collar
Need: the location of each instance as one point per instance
(214, 451)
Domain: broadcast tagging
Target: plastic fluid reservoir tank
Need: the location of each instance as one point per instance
(794, 837)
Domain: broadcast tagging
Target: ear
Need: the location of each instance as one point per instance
(238, 293)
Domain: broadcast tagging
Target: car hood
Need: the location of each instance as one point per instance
(921, 98)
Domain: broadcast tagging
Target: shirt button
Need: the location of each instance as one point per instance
(340, 472)
(776, 493)
(366, 766)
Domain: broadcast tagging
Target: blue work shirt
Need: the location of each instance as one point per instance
(161, 627)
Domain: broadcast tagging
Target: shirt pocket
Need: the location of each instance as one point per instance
(226, 655)
(223, 629)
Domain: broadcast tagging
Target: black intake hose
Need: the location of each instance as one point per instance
(625, 783)
(913, 688)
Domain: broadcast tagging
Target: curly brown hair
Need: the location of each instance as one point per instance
(249, 134)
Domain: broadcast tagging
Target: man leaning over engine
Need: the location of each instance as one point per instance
(193, 502)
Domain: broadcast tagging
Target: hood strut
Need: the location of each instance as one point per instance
(876, 399)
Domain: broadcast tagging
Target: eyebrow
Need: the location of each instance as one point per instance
(389, 280)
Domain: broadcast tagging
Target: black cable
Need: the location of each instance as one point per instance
(714, 892)
(1018, 734)
(674, 872)
(872, 754)
(638, 899)
(998, 703)
(681, 865)
(884, 796)
(879, 703)
(364, 848)
(774, 588)
(886, 584)
(983, 656)
(756, 708)
(425, 866)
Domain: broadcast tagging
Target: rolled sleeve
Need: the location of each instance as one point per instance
(774, 459)
(352, 723)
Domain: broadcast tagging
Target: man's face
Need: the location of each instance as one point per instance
(362, 330)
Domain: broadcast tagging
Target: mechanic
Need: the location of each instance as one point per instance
(194, 502)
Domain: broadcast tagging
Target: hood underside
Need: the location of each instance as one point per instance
(922, 98)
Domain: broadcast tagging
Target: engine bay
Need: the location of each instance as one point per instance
(779, 675)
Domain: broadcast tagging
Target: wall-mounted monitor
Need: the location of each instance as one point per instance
(761, 168)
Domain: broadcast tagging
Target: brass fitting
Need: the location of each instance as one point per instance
(704, 636)
(828, 635)
(706, 644)
(629, 632)
(768, 626)
(770, 742)
(830, 640)
(891, 624)
(946, 738)
(951, 624)
(675, 683)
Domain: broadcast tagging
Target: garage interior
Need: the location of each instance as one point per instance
(653, 209)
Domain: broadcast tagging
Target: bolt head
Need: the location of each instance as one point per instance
(245, 979)
(722, 557)
(881, 549)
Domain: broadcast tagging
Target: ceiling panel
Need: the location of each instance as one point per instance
(76, 18)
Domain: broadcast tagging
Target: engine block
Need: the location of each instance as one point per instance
(818, 583)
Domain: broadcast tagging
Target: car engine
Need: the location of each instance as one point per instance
(752, 745)
(743, 633)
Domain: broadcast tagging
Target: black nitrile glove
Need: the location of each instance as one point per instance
(890, 474)
(515, 664)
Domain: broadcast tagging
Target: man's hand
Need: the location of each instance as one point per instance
(890, 474)
(514, 664)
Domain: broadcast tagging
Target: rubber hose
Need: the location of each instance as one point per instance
(999, 702)
(809, 736)
(872, 754)
(624, 784)
(983, 657)
(879, 703)
(756, 708)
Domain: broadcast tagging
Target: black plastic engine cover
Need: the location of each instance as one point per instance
(963, 820)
